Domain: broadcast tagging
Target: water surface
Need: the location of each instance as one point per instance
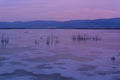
(33, 54)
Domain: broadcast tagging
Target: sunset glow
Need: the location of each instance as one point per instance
(26, 10)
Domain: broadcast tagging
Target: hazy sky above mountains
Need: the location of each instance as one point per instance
(26, 10)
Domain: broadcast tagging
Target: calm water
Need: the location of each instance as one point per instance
(59, 54)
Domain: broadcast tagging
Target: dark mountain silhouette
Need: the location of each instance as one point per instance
(73, 24)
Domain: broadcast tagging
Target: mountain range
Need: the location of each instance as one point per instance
(113, 23)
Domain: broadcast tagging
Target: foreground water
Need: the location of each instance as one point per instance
(60, 55)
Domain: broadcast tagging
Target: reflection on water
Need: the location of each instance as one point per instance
(59, 55)
(48, 40)
(4, 40)
(86, 37)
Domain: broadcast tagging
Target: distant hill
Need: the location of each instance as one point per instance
(73, 24)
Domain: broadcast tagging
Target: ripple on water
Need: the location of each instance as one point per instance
(23, 73)
(44, 66)
(17, 63)
(7, 51)
(116, 78)
(3, 58)
(60, 57)
(87, 68)
(108, 72)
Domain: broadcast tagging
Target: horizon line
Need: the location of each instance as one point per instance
(62, 21)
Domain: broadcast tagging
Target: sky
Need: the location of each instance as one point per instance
(60, 10)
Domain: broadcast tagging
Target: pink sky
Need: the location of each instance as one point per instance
(26, 10)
